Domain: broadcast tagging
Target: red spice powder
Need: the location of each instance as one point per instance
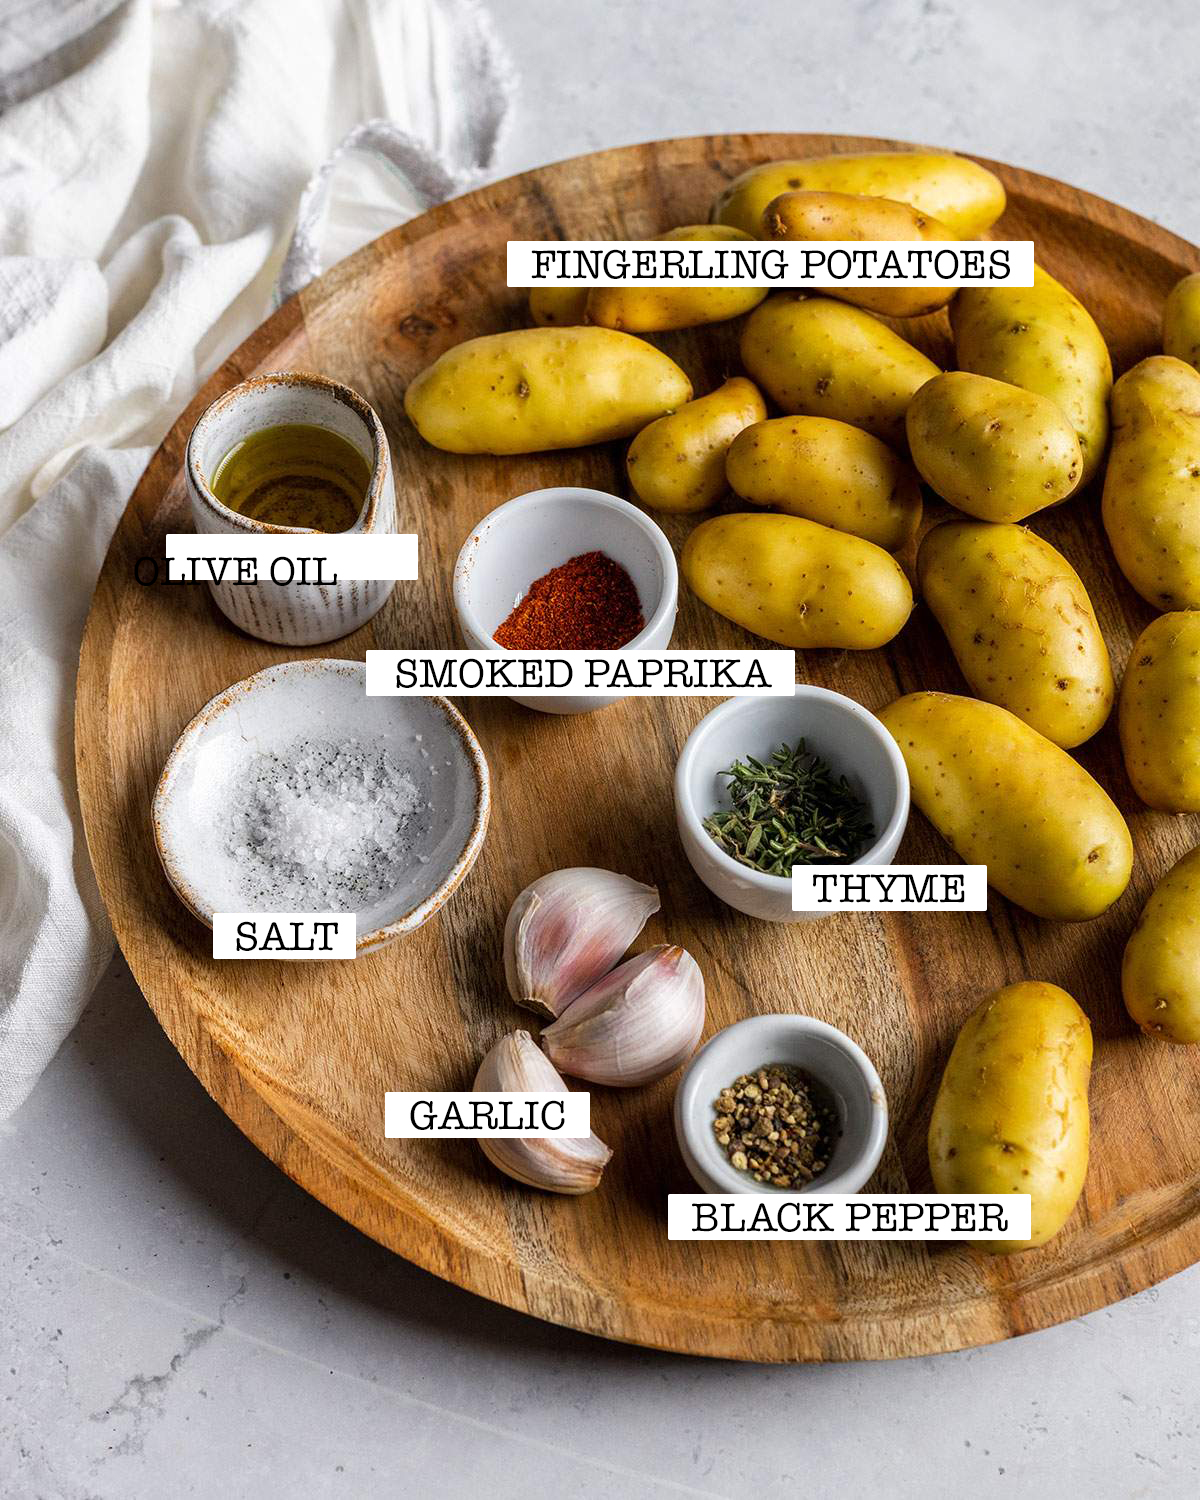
(587, 604)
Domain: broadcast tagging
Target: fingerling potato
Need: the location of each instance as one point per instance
(1159, 713)
(1020, 624)
(797, 583)
(678, 462)
(1181, 321)
(1043, 339)
(651, 309)
(1151, 502)
(558, 306)
(1160, 974)
(818, 357)
(828, 472)
(994, 450)
(1011, 1114)
(966, 197)
(542, 388)
(1003, 795)
(844, 216)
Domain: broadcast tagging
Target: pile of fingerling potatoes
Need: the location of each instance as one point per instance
(832, 487)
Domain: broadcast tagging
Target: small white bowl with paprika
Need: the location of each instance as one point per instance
(528, 573)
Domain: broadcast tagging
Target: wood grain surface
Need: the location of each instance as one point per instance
(300, 1055)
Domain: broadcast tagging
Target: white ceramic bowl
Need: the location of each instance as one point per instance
(523, 539)
(842, 732)
(291, 614)
(821, 1050)
(322, 699)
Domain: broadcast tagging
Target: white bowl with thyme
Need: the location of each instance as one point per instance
(817, 1065)
(816, 774)
(292, 791)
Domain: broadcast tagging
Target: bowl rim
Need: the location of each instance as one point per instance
(685, 800)
(861, 1165)
(234, 520)
(221, 702)
(571, 494)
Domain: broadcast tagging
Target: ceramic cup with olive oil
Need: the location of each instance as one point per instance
(292, 452)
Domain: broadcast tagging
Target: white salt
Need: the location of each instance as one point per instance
(324, 825)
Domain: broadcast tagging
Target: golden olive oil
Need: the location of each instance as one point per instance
(294, 475)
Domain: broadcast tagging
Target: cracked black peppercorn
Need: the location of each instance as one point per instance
(778, 1124)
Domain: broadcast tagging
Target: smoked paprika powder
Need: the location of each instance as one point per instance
(588, 603)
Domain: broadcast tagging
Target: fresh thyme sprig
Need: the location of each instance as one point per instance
(789, 811)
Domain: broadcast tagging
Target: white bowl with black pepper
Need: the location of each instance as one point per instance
(844, 734)
(841, 1070)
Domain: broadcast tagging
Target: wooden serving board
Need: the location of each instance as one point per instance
(300, 1055)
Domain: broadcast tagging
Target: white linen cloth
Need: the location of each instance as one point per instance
(162, 168)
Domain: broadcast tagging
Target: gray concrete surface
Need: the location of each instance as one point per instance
(178, 1319)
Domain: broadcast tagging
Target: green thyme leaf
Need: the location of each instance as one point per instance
(791, 811)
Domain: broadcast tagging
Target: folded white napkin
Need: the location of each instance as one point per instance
(163, 169)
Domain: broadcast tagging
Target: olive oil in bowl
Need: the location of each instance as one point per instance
(294, 475)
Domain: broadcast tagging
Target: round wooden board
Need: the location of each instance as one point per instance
(300, 1055)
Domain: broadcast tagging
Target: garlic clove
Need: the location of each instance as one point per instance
(567, 929)
(634, 1025)
(517, 1065)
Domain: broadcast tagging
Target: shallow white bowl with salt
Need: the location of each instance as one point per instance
(292, 791)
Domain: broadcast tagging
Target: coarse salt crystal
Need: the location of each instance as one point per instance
(324, 826)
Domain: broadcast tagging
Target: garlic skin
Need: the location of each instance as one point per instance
(634, 1025)
(517, 1065)
(566, 930)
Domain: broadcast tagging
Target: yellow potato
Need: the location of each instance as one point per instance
(1043, 339)
(966, 197)
(678, 462)
(1151, 505)
(1011, 1115)
(1003, 795)
(797, 583)
(828, 472)
(1160, 976)
(992, 449)
(1181, 321)
(1159, 714)
(844, 216)
(1020, 624)
(542, 388)
(558, 306)
(822, 358)
(649, 309)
